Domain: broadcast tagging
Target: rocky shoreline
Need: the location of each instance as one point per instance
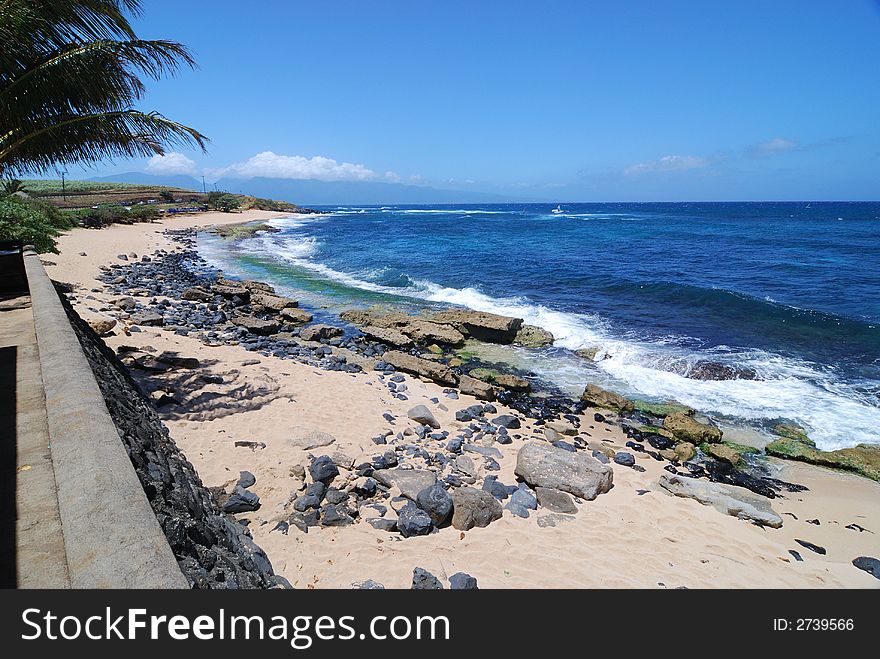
(421, 476)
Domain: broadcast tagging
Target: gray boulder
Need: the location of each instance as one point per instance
(409, 481)
(579, 474)
(323, 469)
(412, 520)
(318, 332)
(472, 507)
(421, 414)
(555, 501)
(507, 421)
(728, 499)
(476, 388)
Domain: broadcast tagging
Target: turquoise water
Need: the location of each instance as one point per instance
(789, 290)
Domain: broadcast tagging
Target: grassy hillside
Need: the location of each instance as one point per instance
(48, 187)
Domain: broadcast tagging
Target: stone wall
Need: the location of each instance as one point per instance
(212, 549)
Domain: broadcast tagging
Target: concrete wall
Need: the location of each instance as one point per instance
(111, 536)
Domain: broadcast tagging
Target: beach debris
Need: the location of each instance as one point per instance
(541, 465)
(728, 499)
(243, 443)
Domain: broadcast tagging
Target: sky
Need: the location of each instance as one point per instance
(558, 100)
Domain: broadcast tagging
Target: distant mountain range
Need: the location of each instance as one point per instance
(310, 192)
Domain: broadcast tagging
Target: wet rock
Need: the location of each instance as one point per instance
(424, 580)
(596, 396)
(541, 465)
(472, 507)
(480, 325)
(462, 581)
(295, 316)
(728, 499)
(532, 336)
(271, 302)
(435, 501)
(686, 428)
(512, 382)
(555, 501)
(707, 370)
(726, 453)
(232, 292)
(421, 414)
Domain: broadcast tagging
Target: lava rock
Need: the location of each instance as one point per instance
(323, 469)
(424, 580)
(435, 501)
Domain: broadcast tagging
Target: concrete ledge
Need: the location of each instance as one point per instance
(111, 535)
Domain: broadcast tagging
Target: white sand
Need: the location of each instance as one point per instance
(621, 539)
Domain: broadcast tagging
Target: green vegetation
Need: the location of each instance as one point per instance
(862, 459)
(662, 409)
(32, 222)
(223, 201)
(50, 187)
(484, 374)
(267, 204)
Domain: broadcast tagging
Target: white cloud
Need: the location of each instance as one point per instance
(272, 165)
(774, 146)
(667, 164)
(171, 163)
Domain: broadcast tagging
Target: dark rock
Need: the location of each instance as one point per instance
(332, 515)
(323, 469)
(241, 501)
(424, 580)
(811, 546)
(868, 564)
(246, 479)
(412, 520)
(462, 581)
(507, 421)
(624, 458)
(435, 501)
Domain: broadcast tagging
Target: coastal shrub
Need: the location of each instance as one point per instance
(22, 219)
(144, 213)
(226, 203)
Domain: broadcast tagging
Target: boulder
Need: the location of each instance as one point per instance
(473, 507)
(588, 353)
(728, 499)
(421, 414)
(512, 382)
(148, 319)
(436, 502)
(310, 439)
(409, 481)
(462, 581)
(555, 501)
(863, 459)
(662, 409)
(241, 501)
(725, 453)
(684, 451)
(707, 370)
(868, 564)
(387, 335)
(100, 323)
(295, 316)
(426, 368)
(426, 331)
(257, 325)
(197, 294)
(542, 465)
(424, 580)
(532, 336)
(249, 284)
(412, 521)
(507, 421)
(688, 429)
(323, 469)
(596, 396)
(318, 332)
(476, 388)
(480, 324)
(275, 303)
(232, 291)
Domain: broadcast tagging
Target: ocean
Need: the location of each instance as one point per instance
(786, 295)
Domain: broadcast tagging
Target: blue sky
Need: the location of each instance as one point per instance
(568, 101)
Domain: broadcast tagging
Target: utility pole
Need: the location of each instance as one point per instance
(63, 187)
(203, 184)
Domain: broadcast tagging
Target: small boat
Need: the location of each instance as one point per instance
(557, 210)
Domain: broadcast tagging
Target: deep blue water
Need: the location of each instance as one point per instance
(791, 290)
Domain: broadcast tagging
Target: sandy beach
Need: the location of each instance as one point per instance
(635, 536)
